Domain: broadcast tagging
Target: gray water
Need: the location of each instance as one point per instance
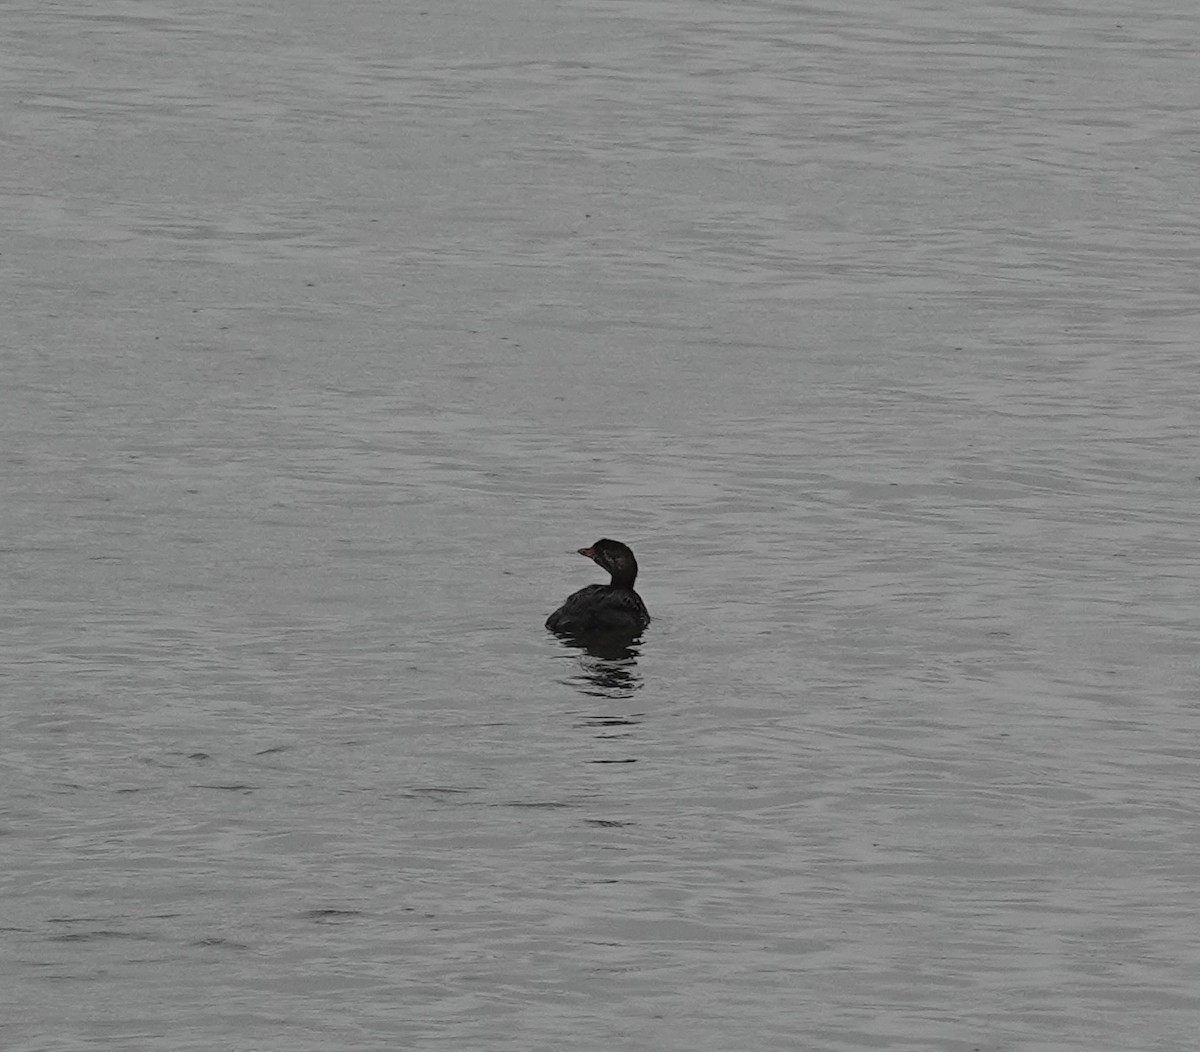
(331, 330)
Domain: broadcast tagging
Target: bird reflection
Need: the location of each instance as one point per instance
(607, 666)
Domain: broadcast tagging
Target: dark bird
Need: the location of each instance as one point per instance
(613, 609)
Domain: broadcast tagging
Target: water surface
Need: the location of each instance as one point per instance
(332, 331)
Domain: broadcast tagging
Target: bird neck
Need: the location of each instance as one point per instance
(623, 576)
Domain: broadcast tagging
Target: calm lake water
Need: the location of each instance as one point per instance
(332, 330)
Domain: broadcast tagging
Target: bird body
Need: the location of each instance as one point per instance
(604, 609)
